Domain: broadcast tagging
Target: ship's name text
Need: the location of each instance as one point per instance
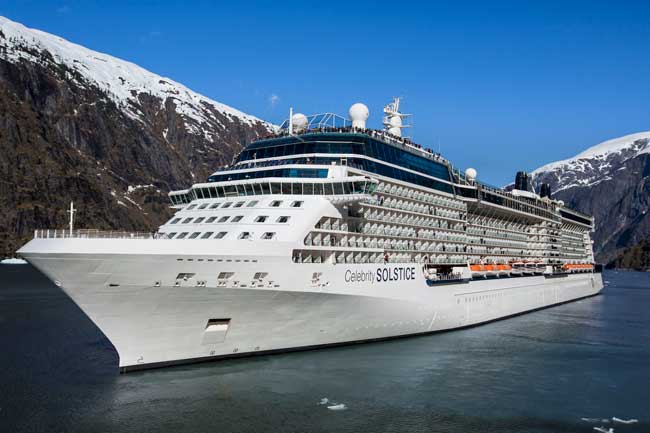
(381, 275)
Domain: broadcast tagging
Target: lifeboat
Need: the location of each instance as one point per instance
(578, 267)
(478, 270)
(516, 269)
(504, 270)
(491, 270)
(540, 268)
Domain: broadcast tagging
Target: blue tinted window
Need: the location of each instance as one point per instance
(279, 172)
(345, 143)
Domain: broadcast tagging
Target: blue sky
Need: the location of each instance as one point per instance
(501, 86)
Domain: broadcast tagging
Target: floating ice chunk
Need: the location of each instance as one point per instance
(323, 401)
(603, 430)
(595, 420)
(13, 262)
(625, 421)
(340, 406)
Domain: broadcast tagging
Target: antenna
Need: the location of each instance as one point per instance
(71, 212)
(290, 120)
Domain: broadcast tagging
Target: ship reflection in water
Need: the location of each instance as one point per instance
(569, 368)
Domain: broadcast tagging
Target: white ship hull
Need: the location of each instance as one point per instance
(152, 321)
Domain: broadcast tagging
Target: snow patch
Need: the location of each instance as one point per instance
(132, 202)
(132, 188)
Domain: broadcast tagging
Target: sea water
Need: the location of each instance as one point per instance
(570, 368)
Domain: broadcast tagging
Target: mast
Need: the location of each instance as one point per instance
(393, 119)
(71, 212)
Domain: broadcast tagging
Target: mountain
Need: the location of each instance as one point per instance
(83, 126)
(610, 182)
(636, 257)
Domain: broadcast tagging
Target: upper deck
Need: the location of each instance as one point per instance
(309, 149)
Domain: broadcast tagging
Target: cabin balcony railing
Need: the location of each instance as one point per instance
(94, 234)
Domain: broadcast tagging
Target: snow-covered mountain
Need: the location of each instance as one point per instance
(76, 124)
(609, 181)
(121, 81)
(597, 164)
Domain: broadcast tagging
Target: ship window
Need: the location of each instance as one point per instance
(266, 189)
(226, 204)
(261, 219)
(220, 235)
(223, 219)
(203, 206)
(237, 218)
(283, 219)
(225, 275)
(192, 206)
(252, 203)
(215, 205)
(171, 235)
(239, 204)
(245, 235)
(297, 204)
(198, 220)
(268, 235)
(182, 235)
(206, 235)
(276, 188)
(211, 219)
(194, 235)
(175, 220)
(248, 188)
(187, 220)
(276, 203)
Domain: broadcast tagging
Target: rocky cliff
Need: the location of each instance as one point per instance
(611, 182)
(636, 257)
(78, 125)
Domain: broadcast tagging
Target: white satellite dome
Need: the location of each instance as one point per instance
(470, 174)
(299, 122)
(359, 114)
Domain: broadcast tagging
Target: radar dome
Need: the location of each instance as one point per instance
(359, 114)
(299, 122)
(470, 174)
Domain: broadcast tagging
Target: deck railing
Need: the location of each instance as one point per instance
(94, 234)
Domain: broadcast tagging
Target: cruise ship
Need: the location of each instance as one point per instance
(324, 233)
